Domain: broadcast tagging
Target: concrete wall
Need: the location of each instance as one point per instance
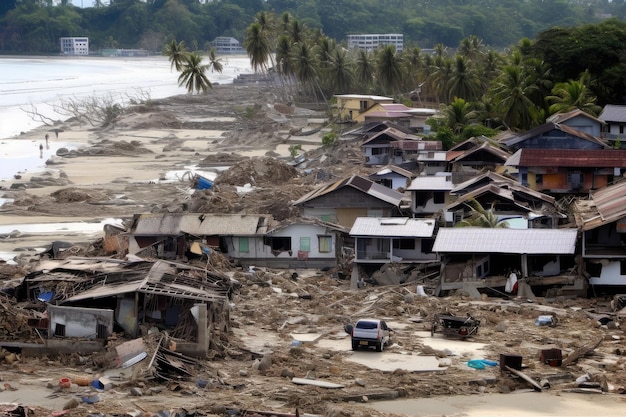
(79, 321)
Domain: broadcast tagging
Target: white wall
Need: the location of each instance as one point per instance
(258, 250)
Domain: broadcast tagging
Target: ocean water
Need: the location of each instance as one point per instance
(41, 83)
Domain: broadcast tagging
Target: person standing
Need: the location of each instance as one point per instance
(41, 150)
(47, 137)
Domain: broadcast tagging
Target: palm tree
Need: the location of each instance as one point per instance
(481, 217)
(389, 69)
(571, 95)
(257, 46)
(284, 59)
(458, 114)
(193, 74)
(340, 72)
(176, 53)
(511, 91)
(464, 81)
(215, 63)
(364, 69)
(306, 65)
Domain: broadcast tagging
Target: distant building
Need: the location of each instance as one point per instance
(74, 46)
(371, 41)
(227, 45)
(125, 52)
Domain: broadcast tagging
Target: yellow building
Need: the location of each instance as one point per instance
(351, 106)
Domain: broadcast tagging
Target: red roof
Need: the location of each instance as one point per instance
(590, 158)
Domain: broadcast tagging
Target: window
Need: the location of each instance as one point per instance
(244, 245)
(305, 244)
(622, 267)
(278, 243)
(404, 244)
(439, 197)
(380, 151)
(427, 245)
(325, 243)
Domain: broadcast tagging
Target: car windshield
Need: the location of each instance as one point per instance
(367, 325)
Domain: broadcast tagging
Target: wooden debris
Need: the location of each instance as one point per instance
(580, 352)
(525, 377)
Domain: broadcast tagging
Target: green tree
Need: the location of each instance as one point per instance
(365, 69)
(464, 81)
(571, 95)
(389, 69)
(177, 54)
(257, 46)
(511, 92)
(481, 217)
(340, 72)
(193, 74)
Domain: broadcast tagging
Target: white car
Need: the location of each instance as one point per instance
(370, 332)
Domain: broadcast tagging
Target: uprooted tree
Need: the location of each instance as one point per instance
(96, 110)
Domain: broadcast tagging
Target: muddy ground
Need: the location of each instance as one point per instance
(273, 308)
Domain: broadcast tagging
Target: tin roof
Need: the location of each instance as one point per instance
(547, 127)
(395, 169)
(518, 195)
(604, 206)
(583, 158)
(503, 240)
(199, 224)
(431, 182)
(563, 117)
(613, 113)
(393, 227)
(455, 156)
(363, 97)
(357, 182)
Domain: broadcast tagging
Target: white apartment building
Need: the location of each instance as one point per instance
(227, 45)
(74, 46)
(371, 41)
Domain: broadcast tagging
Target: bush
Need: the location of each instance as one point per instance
(329, 139)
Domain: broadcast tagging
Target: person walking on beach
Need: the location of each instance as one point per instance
(47, 137)
(41, 150)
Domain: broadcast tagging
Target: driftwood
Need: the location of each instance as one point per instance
(580, 352)
(525, 377)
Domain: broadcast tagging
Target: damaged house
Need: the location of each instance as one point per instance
(89, 299)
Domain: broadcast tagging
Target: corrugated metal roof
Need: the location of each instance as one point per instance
(484, 147)
(518, 195)
(431, 182)
(604, 206)
(362, 184)
(393, 227)
(613, 113)
(393, 168)
(521, 241)
(200, 224)
(563, 117)
(583, 158)
(547, 127)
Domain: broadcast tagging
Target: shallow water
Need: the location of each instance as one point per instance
(43, 83)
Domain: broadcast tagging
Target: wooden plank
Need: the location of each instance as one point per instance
(525, 377)
(316, 382)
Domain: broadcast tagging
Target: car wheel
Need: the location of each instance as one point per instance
(380, 346)
(355, 345)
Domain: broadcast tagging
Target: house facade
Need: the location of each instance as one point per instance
(614, 117)
(396, 239)
(302, 243)
(227, 45)
(568, 170)
(350, 106)
(343, 201)
(602, 220)
(430, 194)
